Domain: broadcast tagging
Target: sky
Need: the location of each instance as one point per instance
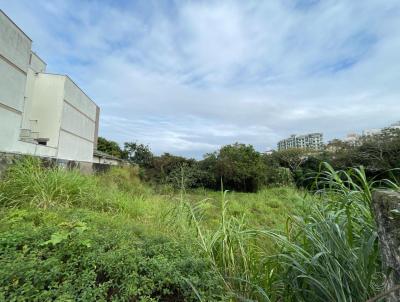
(187, 77)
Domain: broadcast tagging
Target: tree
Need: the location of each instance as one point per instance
(380, 152)
(162, 166)
(240, 167)
(110, 147)
(139, 154)
(291, 158)
(336, 145)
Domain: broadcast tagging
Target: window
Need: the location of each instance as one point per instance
(42, 141)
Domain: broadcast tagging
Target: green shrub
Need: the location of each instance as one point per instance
(240, 167)
(77, 261)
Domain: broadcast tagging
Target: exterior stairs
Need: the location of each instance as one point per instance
(30, 135)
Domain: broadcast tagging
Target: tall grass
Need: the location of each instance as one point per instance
(28, 182)
(329, 253)
(332, 253)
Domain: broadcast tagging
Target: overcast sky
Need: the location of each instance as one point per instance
(186, 77)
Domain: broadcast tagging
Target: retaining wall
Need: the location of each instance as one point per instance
(7, 159)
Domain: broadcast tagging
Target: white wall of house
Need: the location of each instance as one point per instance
(15, 45)
(78, 124)
(36, 63)
(14, 59)
(38, 105)
(47, 100)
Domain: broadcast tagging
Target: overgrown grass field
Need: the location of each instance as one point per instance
(109, 237)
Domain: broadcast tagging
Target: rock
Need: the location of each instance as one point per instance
(386, 207)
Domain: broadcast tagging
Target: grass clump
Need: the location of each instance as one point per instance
(327, 251)
(28, 182)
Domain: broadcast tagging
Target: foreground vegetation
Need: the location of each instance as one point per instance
(70, 237)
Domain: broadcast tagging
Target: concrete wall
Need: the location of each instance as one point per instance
(78, 124)
(29, 88)
(7, 159)
(74, 121)
(35, 105)
(36, 63)
(12, 85)
(47, 101)
(77, 98)
(106, 161)
(15, 45)
(9, 129)
(74, 148)
(14, 59)
(34, 149)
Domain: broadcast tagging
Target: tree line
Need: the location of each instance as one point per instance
(242, 168)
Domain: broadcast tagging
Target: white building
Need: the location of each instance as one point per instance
(312, 141)
(40, 113)
(353, 139)
(371, 132)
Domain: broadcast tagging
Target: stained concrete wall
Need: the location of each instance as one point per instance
(30, 85)
(14, 59)
(78, 124)
(74, 148)
(12, 85)
(9, 129)
(107, 161)
(77, 98)
(47, 101)
(15, 45)
(7, 159)
(75, 121)
(36, 63)
(41, 105)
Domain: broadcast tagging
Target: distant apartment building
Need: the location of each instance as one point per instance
(41, 114)
(355, 140)
(377, 131)
(352, 139)
(312, 141)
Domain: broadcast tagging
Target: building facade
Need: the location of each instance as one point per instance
(352, 139)
(371, 132)
(312, 141)
(41, 114)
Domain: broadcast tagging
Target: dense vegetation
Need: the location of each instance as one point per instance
(242, 168)
(70, 237)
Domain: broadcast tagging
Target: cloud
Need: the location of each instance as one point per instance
(188, 77)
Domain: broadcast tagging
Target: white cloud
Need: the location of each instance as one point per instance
(192, 76)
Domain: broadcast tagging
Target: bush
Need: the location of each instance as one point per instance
(78, 261)
(190, 177)
(240, 167)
